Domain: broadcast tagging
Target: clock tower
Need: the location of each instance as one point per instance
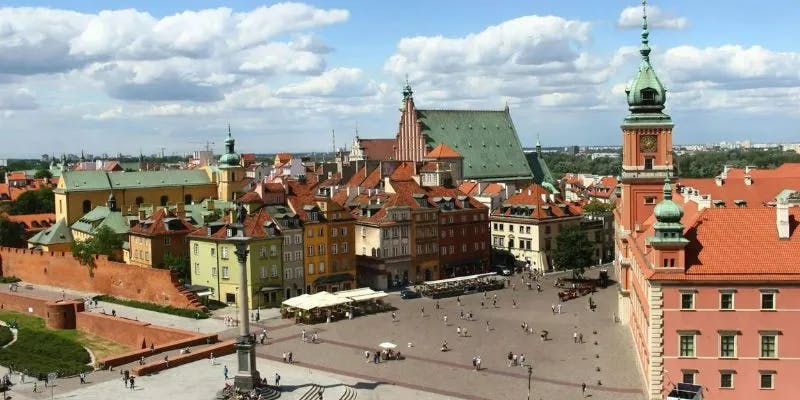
(646, 143)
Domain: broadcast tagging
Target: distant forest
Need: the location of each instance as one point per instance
(702, 164)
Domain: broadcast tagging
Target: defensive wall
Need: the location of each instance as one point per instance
(61, 269)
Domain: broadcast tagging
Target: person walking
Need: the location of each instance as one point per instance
(513, 303)
(464, 332)
(35, 387)
(213, 363)
(124, 378)
(488, 327)
(580, 338)
(479, 363)
(445, 319)
(553, 307)
(82, 377)
(283, 356)
(366, 355)
(458, 331)
(132, 382)
(437, 304)
(482, 304)
(303, 335)
(583, 390)
(558, 309)
(575, 336)
(225, 372)
(474, 363)
(510, 358)
(422, 311)
(314, 338)
(291, 357)
(277, 381)
(394, 316)
(521, 360)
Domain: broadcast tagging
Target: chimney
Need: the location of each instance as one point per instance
(210, 205)
(725, 170)
(782, 220)
(142, 216)
(544, 197)
(719, 180)
(748, 180)
(748, 168)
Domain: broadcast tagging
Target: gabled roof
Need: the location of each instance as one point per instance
(377, 149)
(536, 202)
(766, 184)
(162, 222)
(403, 172)
(102, 216)
(442, 150)
(56, 233)
(102, 180)
(541, 172)
(34, 221)
(487, 140)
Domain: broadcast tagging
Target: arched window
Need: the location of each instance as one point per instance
(648, 96)
(164, 200)
(87, 206)
(139, 200)
(187, 199)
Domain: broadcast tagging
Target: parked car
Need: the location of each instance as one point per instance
(502, 270)
(409, 294)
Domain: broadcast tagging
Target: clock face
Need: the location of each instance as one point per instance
(648, 144)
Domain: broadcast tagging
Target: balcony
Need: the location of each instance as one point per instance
(682, 391)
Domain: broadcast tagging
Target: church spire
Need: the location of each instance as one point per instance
(646, 94)
(645, 49)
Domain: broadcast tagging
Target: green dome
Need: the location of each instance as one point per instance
(667, 211)
(645, 92)
(230, 158)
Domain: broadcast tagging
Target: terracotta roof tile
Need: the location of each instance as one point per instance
(542, 204)
(766, 184)
(377, 149)
(162, 222)
(442, 151)
(403, 172)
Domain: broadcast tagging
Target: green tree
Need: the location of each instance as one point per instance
(104, 242)
(34, 202)
(10, 232)
(43, 173)
(573, 251)
(597, 208)
(178, 264)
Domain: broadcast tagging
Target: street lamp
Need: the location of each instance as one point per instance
(247, 376)
(530, 372)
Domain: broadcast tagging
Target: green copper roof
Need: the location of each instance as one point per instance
(486, 139)
(541, 172)
(56, 233)
(230, 158)
(101, 180)
(668, 227)
(102, 216)
(667, 210)
(646, 94)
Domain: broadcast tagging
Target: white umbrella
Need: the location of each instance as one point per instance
(387, 345)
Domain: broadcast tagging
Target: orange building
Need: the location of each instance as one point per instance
(152, 239)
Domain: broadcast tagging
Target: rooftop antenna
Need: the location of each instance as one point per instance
(333, 142)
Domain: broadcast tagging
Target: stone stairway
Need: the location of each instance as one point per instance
(312, 393)
(194, 301)
(349, 394)
(268, 393)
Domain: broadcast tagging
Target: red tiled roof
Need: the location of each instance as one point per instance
(112, 166)
(532, 196)
(766, 184)
(405, 190)
(442, 151)
(250, 197)
(492, 189)
(428, 167)
(32, 222)
(403, 172)
(751, 233)
(377, 149)
(17, 176)
(283, 158)
(273, 188)
(469, 187)
(162, 222)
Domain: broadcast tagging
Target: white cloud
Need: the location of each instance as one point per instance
(19, 99)
(631, 17)
(337, 82)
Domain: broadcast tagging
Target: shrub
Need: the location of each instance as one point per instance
(9, 279)
(181, 312)
(5, 336)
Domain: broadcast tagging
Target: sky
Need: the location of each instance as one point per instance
(173, 74)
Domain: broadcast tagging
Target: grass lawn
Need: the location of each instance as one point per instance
(40, 350)
(101, 347)
(181, 312)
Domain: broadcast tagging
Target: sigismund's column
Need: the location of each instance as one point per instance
(247, 376)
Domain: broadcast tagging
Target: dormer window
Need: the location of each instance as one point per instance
(648, 96)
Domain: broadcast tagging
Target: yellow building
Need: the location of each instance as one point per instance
(328, 240)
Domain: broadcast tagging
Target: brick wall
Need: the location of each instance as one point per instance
(21, 303)
(60, 269)
(220, 349)
(135, 334)
(129, 357)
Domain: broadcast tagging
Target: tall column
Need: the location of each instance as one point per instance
(247, 376)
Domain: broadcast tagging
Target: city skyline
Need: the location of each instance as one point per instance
(123, 80)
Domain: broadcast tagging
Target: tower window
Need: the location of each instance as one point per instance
(87, 206)
(648, 163)
(648, 96)
(164, 200)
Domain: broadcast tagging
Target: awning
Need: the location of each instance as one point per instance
(316, 300)
(360, 294)
(270, 288)
(324, 280)
(204, 293)
(461, 278)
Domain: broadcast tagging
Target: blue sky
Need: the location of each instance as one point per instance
(80, 75)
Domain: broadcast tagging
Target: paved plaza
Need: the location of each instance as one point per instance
(560, 365)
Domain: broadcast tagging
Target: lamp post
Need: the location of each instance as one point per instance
(530, 372)
(247, 376)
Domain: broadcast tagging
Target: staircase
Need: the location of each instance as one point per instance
(268, 393)
(191, 298)
(313, 393)
(349, 393)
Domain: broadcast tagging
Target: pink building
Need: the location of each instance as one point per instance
(711, 294)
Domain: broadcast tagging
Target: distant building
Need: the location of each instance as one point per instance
(161, 234)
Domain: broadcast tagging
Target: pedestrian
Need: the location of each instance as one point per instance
(319, 397)
(583, 389)
(225, 372)
(82, 377)
(437, 304)
(277, 380)
(141, 360)
(513, 287)
(303, 335)
(458, 300)
(422, 311)
(521, 360)
(291, 357)
(515, 360)
(394, 316)
(124, 379)
(482, 305)
(113, 313)
(445, 319)
(132, 383)
(575, 336)
(166, 360)
(488, 328)
(553, 307)
(580, 338)
(262, 337)
(283, 356)
(464, 332)
(474, 363)
(558, 309)
(479, 363)
(458, 331)
(538, 288)
(461, 314)
(152, 348)
(366, 355)
(314, 338)
(513, 303)
(211, 357)
(510, 358)
(35, 387)
(494, 303)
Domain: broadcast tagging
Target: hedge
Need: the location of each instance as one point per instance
(9, 279)
(181, 312)
(5, 335)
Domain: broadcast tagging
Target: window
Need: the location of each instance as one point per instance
(273, 250)
(197, 268)
(688, 377)
(648, 163)
(322, 267)
(769, 344)
(196, 249)
(687, 301)
(321, 249)
(726, 301)
(334, 249)
(230, 297)
(224, 253)
(687, 345)
(547, 230)
(310, 268)
(287, 240)
(334, 232)
(363, 231)
(213, 271)
(167, 241)
(767, 381)
(187, 199)
(727, 346)
(344, 247)
(287, 273)
(344, 231)
(287, 256)
(767, 300)
(726, 379)
(87, 206)
(298, 256)
(298, 238)
(463, 247)
(321, 231)
(648, 96)
(163, 200)
(452, 249)
(263, 272)
(510, 228)
(649, 200)
(262, 252)
(443, 250)
(225, 274)
(310, 250)
(274, 270)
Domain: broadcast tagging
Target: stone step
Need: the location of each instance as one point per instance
(312, 393)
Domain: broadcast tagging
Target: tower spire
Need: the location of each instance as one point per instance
(645, 49)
